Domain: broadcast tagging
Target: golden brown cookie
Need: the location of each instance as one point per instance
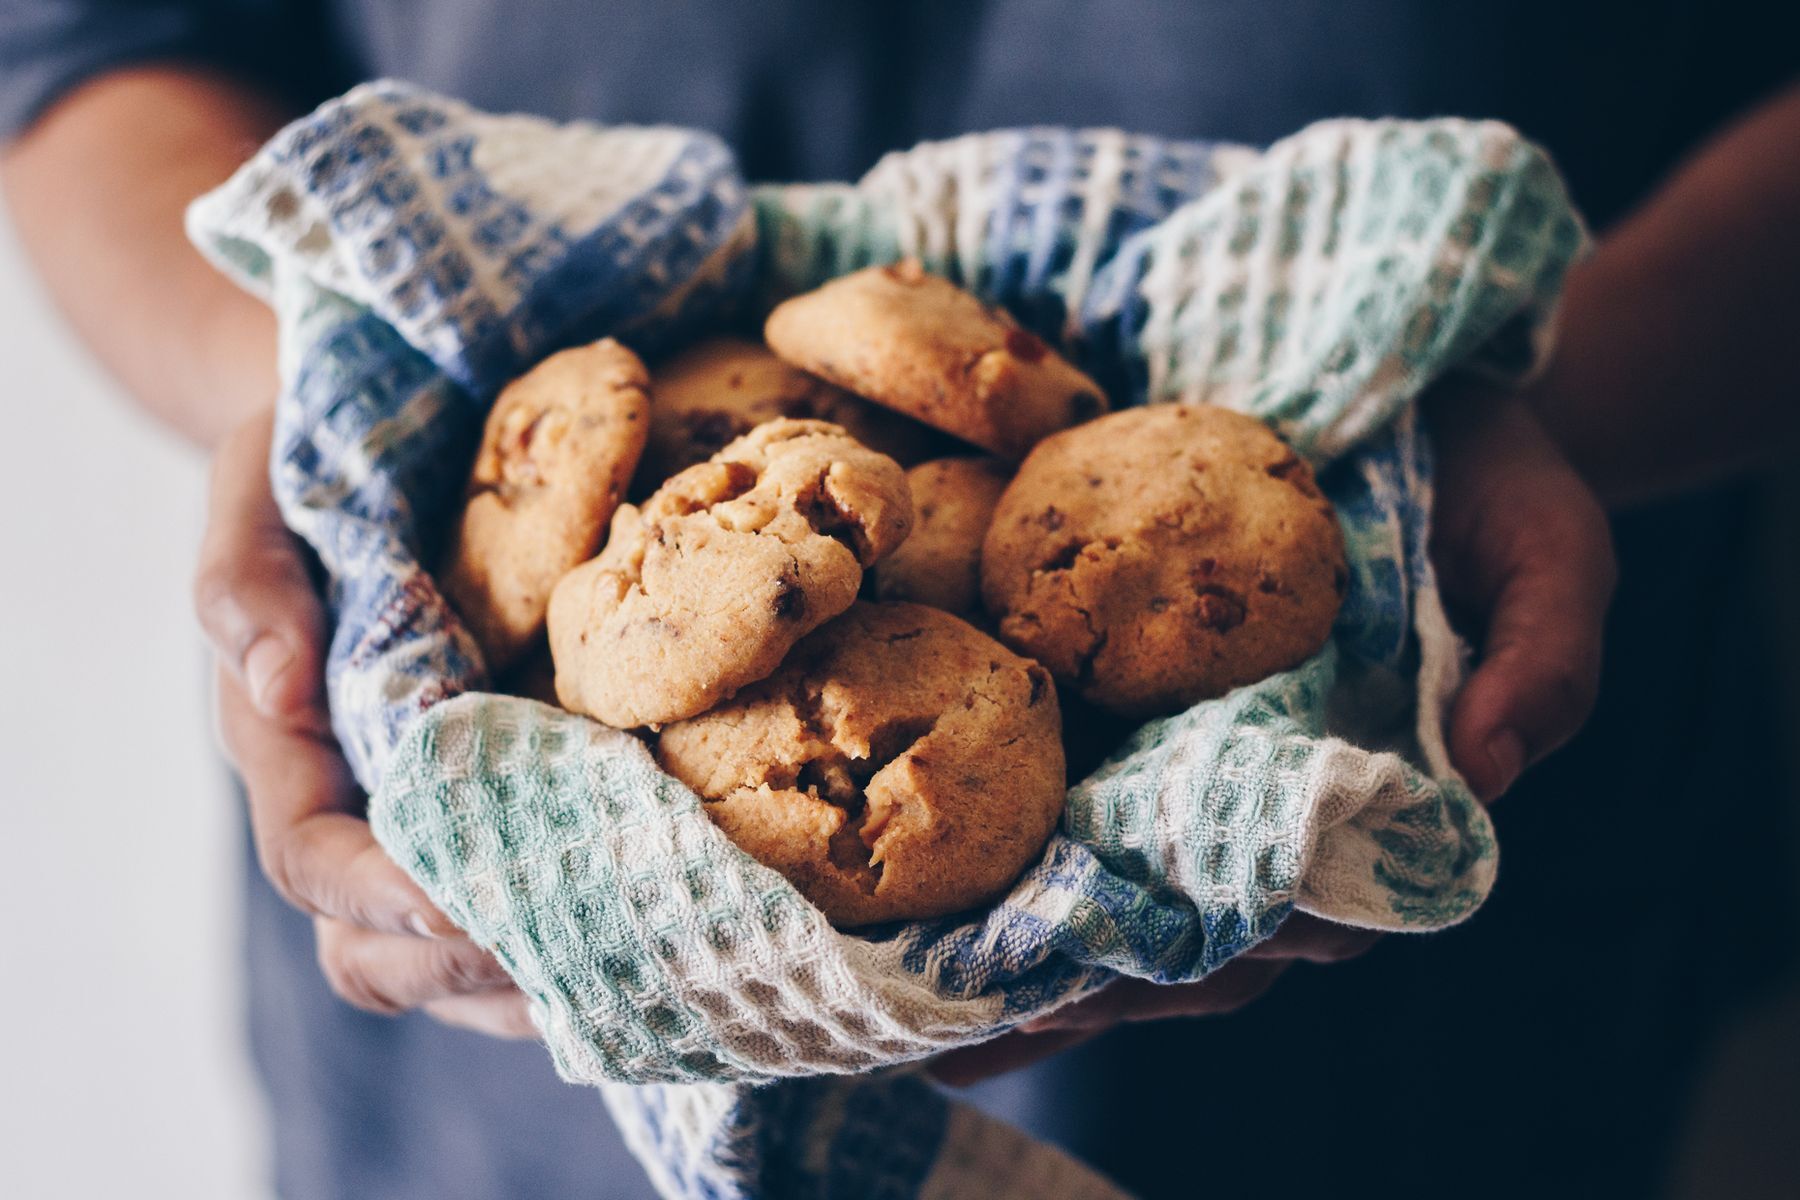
(901, 765)
(940, 561)
(730, 563)
(721, 389)
(558, 450)
(919, 344)
(1164, 555)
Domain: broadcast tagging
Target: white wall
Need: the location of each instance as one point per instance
(123, 1073)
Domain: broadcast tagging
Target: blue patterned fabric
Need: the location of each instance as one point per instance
(420, 254)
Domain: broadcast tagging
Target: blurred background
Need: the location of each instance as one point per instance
(120, 1020)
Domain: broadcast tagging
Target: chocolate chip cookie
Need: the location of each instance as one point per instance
(940, 562)
(722, 389)
(900, 765)
(917, 343)
(1164, 555)
(725, 567)
(556, 455)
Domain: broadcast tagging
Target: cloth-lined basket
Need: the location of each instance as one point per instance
(419, 254)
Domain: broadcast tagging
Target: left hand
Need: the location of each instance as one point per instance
(382, 945)
(1522, 548)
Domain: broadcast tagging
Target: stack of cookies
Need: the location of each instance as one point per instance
(857, 665)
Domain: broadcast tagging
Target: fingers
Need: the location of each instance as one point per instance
(1231, 987)
(502, 1014)
(252, 593)
(257, 603)
(1552, 580)
(1008, 1052)
(1306, 938)
(1301, 938)
(316, 851)
(454, 980)
(389, 973)
(1523, 547)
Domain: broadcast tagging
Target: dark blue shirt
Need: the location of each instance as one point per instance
(815, 89)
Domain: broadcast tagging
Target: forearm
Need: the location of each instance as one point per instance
(1676, 365)
(97, 189)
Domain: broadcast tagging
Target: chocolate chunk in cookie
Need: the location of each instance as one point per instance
(917, 343)
(940, 562)
(556, 455)
(900, 765)
(716, 392)
(1162, 556)
(731, 562)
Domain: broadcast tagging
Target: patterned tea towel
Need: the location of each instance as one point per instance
(419, 254)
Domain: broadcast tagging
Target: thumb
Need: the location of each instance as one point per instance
(1550, 581)
(253, 594)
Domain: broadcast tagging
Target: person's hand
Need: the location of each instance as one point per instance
(1301, 938)
(1524, 554)
(1525, 559)
(382, 944)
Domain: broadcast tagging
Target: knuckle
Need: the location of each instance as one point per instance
(1570, 692)
(351, 983)
(349, 978)
(366, 896)
(1588, 539)
(458, 971)
(215, 592)
(285, 863)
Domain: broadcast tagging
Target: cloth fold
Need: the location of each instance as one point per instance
(419, 254)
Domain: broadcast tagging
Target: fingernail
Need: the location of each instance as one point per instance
(263, 665)
(1506, 751)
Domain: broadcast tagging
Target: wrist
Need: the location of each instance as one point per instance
(235, 378)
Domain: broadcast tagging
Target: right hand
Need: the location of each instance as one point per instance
(1301, 938)
(1524, 554)
(383, 946)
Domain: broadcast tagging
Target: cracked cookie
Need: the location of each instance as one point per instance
(706, 587)
(557, 452)
(1164, 555)
(917, 343)
(900, 765)
(940, 561)
(722, 389)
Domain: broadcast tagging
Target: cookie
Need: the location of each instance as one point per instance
(919, 344)
(940, 561)
(900, 765)
(1164, 555)
(731, 562)
(720, 390)
(556, 455)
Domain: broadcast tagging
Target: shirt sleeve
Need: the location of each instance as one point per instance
(49, 47)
